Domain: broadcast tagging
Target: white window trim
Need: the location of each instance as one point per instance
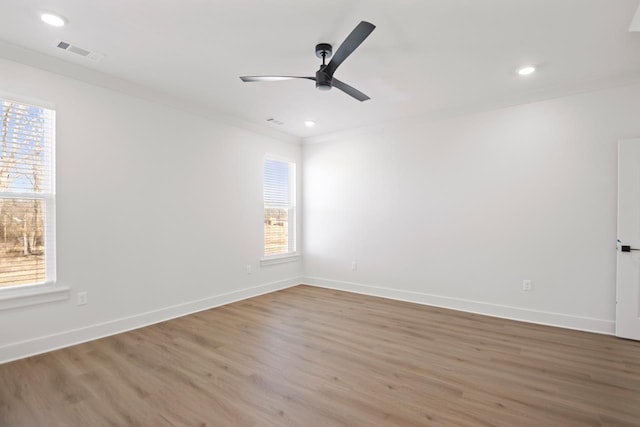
(293, 253)
(28, 100)
(280, 259)
(26, 295)
(50, 291)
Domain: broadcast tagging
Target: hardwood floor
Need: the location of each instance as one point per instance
(315, 357)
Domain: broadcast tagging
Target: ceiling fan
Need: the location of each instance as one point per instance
(324, 76)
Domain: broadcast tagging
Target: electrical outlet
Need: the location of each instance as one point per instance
(527, 285)
(354, 266)
(82, 298)
(249, 269)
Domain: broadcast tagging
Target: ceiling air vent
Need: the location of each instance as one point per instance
(275, 121)
(60, 44)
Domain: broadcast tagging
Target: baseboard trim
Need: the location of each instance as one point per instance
(20, 350)
(587, 324)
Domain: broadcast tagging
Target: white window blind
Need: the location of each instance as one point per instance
(27, 194)
(279, 207)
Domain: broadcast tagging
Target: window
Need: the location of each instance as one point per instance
(279, 191)
(27, 194)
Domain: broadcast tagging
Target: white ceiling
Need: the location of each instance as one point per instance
(426, 57)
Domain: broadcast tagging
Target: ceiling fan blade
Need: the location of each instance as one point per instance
(349, 90)
(272, 78)
(351, 43)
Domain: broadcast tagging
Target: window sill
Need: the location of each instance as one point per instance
(38, 294)
(279, 259)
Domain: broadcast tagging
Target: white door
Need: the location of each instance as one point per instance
(628, 263)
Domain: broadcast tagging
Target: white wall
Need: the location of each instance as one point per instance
(454, 213)
(458, 212)
(158, 213)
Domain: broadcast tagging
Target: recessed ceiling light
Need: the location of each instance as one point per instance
(309, 123)
(53, 19)
(525, 71)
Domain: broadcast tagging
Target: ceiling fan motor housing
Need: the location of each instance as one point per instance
(323, 80)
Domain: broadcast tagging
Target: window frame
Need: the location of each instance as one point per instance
(49, 290)
(292, 253)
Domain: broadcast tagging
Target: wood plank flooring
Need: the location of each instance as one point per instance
(316, 357)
